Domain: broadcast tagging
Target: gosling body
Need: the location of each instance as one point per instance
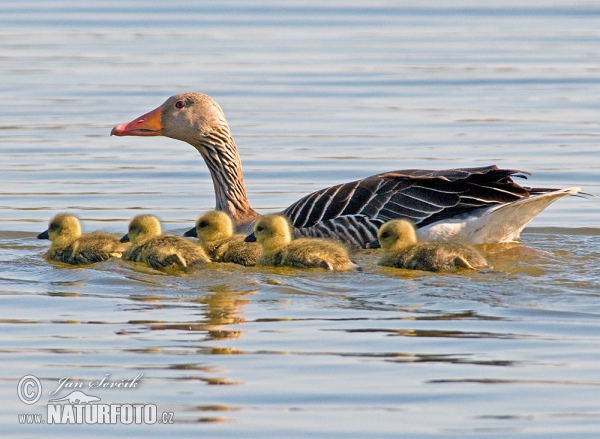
(398, 241)
(157, 250)
(69, 245)
(274, 233)
(215, 231)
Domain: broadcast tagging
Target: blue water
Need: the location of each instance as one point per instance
(316, 94)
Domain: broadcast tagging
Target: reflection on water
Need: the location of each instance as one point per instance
(316, 94)
(222, 308)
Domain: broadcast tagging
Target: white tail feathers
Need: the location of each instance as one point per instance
(488, 225)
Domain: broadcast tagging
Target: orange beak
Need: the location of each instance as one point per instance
(146, 125)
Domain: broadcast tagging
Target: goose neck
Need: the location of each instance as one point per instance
(221, 156)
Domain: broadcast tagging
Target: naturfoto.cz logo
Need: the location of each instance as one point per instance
(79, 407)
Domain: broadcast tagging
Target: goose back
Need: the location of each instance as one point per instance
(354, 211)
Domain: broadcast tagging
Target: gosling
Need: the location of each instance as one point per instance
(398, 240)
(274, 233)
(70, 246)
(214, 230)
(157, 250)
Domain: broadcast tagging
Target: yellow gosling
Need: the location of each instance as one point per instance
(159, 251)
(70, 246)
(274, 234)
(398, 240)
(214, 230)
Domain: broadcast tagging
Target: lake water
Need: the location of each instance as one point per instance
(316, 94)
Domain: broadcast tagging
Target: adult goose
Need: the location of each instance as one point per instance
(478, 205)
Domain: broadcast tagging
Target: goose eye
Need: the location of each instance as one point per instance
(179, 104)
(259, 229)
(53, 227)
(202, 224)
(385, 235)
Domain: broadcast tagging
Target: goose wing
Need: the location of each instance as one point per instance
(353, 212)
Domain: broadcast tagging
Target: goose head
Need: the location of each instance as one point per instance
(62, 229)
(272, 232)
(212, 226)
(184, 116)
(142, 228)
(197, 119)
(396, 235)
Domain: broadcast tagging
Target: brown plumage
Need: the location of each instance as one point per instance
(486, 200)
(70, 246)
(398, 241)
(160, 251)
(214, 230)
(274, 233)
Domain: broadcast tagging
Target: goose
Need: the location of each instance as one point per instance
(480, 205)
(70, 246)
(274, 234)
(214, 230)
(398, 240)
(159, 251)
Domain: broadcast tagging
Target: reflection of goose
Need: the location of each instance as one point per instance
(274, 233)
(214, 230)
(478, 205)
(70, 246)
(157, 250)
(398, 241)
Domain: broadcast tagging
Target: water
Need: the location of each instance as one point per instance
(315, 94)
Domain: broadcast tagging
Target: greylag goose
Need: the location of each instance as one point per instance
(274, 234)
(214, 230)
(478, 205)
(159, 251)
(398, 241)
(70, 246)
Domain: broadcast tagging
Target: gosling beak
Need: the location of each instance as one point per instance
(250, 238)
(147, 125)
(192, 233)
(125, 238)
(374, 244)
(43, 235)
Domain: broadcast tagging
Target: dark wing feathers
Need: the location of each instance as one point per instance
(354, 211)
(487, 172)
(361, 196)
(351, 229)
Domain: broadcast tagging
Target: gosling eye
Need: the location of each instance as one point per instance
(202, 224)
(53, 227)
(180, 104)
(385, 235)
(260, 228)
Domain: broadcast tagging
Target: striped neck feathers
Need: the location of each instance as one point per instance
(221, 156)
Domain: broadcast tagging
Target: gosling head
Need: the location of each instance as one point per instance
(62, 229)
(212, 226)
(396, 235)
(272, 232)
(142, 228)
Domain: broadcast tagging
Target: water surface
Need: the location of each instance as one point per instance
(315, 94)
